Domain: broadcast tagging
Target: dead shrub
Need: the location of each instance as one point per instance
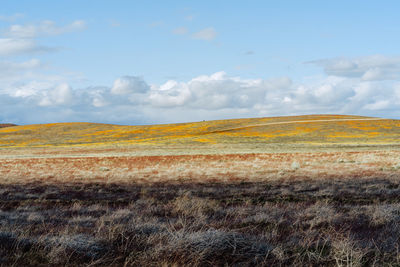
(346, 253)
(214, 247)
(188, 205)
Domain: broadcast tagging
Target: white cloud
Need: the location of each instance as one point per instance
(397, 94)
(10, 47)
(128, 85)
(170, 94)
(206, 34)
(21, 39)
(44, 28)
(180, 31)
(369, 68)
(378, 105)
(131, 100)
(30, 89)
(61, 95)
(99, 102)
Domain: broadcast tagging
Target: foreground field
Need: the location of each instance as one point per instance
(327, 222)
(323, 208)
(300, 191)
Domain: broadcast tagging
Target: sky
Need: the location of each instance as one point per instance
(147, 62)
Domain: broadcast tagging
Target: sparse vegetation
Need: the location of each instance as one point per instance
(325, 222)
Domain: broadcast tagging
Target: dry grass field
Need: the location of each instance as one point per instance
(300, 191)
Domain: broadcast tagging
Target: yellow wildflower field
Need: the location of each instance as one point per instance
(311, 129)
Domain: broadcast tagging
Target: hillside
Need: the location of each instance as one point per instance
(311, 129)
(3, 125)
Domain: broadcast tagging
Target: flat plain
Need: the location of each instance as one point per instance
(302, 190)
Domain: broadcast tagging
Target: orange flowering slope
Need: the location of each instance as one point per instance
(311, 129)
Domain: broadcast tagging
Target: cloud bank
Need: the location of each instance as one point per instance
(132, 100)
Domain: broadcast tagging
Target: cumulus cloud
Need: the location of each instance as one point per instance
(369, 68)
(170, 94)
(206, 34)
(378, 105)
(29, 89)
(397, 94)
(60, 95)
(129, 85)
(132, 100)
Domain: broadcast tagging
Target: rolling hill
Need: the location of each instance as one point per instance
(309, 129)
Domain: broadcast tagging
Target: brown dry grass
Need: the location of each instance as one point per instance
(330, 222)
(299, 209)
(201, 168)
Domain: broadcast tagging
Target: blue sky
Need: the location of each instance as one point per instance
(139, 62)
